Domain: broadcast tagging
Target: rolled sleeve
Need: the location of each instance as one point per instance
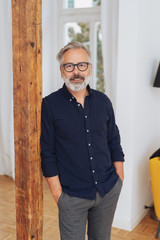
(48, 156)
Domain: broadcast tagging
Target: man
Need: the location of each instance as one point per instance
(82, 159)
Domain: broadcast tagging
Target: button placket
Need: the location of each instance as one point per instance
(90, 147)
(78, 106)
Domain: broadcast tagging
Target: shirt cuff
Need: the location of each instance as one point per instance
(49, 169)
(117, 157)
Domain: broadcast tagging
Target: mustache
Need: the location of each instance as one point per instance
(76, 76)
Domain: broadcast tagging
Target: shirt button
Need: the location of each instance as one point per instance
(70, 100)
(72, 97)
(78, 104)
(93, 171)
(95, 182)
(91, 158)
(86, 116)
(87, 130)
(89, 144)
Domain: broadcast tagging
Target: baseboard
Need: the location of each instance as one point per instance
(7, 174)
(130, 225)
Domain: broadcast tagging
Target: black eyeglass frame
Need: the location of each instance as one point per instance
(76, 65)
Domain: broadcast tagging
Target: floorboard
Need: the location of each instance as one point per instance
(146, 230)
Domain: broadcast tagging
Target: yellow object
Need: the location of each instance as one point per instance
(154, 166)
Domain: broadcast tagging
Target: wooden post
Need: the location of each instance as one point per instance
(27, 75)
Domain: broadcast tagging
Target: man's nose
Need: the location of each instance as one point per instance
(76, 70)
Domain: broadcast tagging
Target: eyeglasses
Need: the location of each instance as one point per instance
(82, 66)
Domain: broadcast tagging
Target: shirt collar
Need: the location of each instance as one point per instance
(68, 95)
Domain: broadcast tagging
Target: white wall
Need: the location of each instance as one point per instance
(6, 91)
(50, 46)
(138, 114)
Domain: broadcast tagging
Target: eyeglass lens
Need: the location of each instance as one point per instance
(82, 66)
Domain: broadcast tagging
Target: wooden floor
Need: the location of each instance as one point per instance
(144, 231)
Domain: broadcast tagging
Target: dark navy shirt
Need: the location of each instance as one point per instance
(80, 144)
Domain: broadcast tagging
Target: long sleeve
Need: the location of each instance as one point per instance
(48, 156)
(114, 138)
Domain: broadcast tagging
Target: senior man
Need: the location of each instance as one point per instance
(82, 158)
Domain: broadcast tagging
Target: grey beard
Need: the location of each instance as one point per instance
(77, 86)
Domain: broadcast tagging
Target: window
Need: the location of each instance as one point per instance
(99, 66)
(80, 21)
(77, 31)
(81, 3)
(70, 3)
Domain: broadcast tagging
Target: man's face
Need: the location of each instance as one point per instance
(76, 80)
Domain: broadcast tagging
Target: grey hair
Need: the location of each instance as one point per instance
(72, 45)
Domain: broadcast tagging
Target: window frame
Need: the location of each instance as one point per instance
(92, 16)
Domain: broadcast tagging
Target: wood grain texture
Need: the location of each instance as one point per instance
(27, 92)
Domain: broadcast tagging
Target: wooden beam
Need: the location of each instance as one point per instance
(27, 92)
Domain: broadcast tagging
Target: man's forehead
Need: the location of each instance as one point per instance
(75, 53)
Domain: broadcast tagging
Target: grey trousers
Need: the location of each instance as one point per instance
(74, 213)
